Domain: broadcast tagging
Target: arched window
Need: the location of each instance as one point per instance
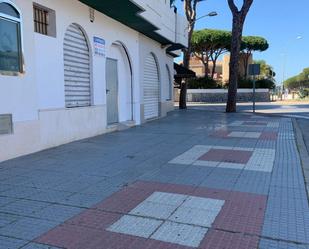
(10, 39)
(77, 71)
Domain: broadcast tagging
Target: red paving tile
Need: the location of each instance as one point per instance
(231, 156)
(264, 135)
(95, 219)
(269, 135)
(242, 212)
(221, 133)
(225, 240)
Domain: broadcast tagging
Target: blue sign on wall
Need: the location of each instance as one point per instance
(99, 46)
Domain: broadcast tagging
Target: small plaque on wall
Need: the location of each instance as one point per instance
(6, 124)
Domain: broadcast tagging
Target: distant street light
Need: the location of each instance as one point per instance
(210, 14)
(285, 61)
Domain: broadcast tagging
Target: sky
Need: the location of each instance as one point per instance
(279, 21)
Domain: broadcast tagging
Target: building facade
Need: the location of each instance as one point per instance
(222, 71)
(75, 69)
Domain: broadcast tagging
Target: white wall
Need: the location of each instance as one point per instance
(18, 94)
(36, 99)
(170, 24)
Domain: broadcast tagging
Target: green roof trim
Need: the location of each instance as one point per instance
(127, 13)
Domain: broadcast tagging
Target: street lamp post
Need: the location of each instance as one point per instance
(284, 65)
(210, 14)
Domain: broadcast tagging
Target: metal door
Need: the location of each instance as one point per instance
(76, 68)
(112, 90)
(151, 88)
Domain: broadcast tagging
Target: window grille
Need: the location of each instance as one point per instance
(40, 20)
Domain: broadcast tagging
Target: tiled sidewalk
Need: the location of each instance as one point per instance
(193, 180)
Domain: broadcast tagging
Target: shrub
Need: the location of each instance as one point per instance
(303, 93)
(245, 83)
(264, 83)
(203, 83)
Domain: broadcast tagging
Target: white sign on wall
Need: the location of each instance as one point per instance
(99, 46)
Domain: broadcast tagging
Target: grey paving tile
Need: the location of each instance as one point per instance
(58, 212)
(273, 244)
(6, 200)
(24, 207)
(6, 219)
(11, 243)
(27, 228)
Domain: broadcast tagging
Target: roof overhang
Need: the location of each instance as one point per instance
(128, 13)
(182, 72)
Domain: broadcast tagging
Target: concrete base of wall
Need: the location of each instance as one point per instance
(166, 107)
(24, 140)
(62, 126)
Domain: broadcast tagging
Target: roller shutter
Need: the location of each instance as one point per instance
(76, 68)
(151, 88)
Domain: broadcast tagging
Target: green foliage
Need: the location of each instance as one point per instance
(263, 83)
(303, 93)
(267, 71)
(210, 39)
(203, 83)
(209, 44)
(254, 43)
(299, 81)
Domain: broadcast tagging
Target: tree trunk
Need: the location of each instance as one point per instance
(214, 65)
(186, 64)
(234, 63)
(246, 64)
(239, 17)
(183, 95)
(206, 68)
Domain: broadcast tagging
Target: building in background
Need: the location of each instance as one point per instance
(222, 67)
(75, 69)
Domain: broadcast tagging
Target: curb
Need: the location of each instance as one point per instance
(304, 156)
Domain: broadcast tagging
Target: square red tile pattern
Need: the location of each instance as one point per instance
(227, 156)
(265, 135)
(243, 213)
(258, 123)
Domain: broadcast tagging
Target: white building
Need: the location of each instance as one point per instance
(74, 69)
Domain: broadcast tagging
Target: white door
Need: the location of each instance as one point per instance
(112, 91)
(76, 68)
(151, 88)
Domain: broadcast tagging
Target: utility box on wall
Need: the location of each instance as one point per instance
(6, 124)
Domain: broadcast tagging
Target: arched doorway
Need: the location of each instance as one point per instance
(151, 87)
(77, 76)
(119, 88)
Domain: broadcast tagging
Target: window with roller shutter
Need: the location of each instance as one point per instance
(77, 74)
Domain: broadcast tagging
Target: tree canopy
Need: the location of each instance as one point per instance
(209, 44)
(250, 44)
(267, 71)
(299, 81)
(254, 43)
